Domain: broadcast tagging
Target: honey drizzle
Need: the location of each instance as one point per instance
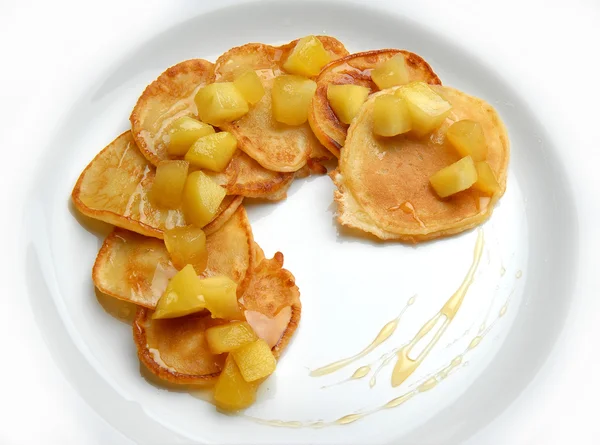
(405, 366)
(388, 329)
(427, 383)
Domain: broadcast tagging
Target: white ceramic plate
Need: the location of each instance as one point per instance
(350, 287)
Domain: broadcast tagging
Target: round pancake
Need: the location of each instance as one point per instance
(176, 350)
(115, 188)
(272, 290)
(137, 268)
(165, 100)
(383, 183)
(355, 69)
(273, 145)
(170, 97)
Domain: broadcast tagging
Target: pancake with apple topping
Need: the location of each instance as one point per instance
(385, 184)
(356, 69)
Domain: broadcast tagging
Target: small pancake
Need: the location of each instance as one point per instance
(383, 183)
(355, 69)
(115, 187)
(245, 177)
(271, 291)
(176, 350)
(136, 268)
(165, 100)
(273, 145)
(170, 97)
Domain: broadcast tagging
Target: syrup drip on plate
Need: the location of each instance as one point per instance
(386, 331)
(405, 366)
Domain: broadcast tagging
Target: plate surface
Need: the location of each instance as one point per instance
(350, 287)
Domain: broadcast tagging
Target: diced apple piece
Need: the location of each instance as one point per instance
(390, 116)
(187, 245)
(230, 336)
(232, 392)
(213, 151)
(391, 73)
(486, 179)
(426, 107)
(307, 58)
(183, 295)
(249, 84)
(184, 132)
(220, 102)
(346, 100)
(291, 97)
(168, 183)
(255, 360)
(467, 137)
(455, 178)
(221, 298)
(201, 198)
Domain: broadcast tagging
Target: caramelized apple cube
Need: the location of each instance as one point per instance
(248, 83)
(213, 151)
(221, 298)
(220, 102)
(486, 179)
(307, 58)
(455, 178)
(230, 336)
(201, 198)
(168, 183)
(391, 73)
(346, 100)
(291, 97)
(187, 245)
(184, 132)
(255, 360)
(467, 137)
(232, 392)
(183, 295)
(426, 107)
(390, 116)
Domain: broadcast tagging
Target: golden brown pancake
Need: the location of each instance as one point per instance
(355, 69)
(383, 183)
(165, 100)
(272, 290)
(244, 176)
(115, 187)
(273, 145)
(136, 268)
(170, 97)
(176, 350)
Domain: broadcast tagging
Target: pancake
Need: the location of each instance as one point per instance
(165, 100)
(272, 292)
(245, 177)
(176, 350)
(355, 69)
(136, 268)
(170, 97)
(115, 187)
(383, 183)
(273, 145)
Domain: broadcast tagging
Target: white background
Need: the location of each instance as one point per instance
(548, 49)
